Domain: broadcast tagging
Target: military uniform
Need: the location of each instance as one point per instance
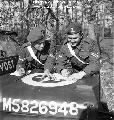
(36, 36)
(41, 55)
(87, 52)
(84, 56)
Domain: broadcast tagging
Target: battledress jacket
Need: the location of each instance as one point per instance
(88, 58)
(25, 57)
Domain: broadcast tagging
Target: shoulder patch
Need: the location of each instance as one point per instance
(93, 46)
(95, 54)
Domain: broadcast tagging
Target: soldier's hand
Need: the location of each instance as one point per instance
(65, 73)
(76, 76)
(21, 71)
(47, 74)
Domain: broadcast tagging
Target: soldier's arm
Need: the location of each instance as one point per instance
(94, 52)
(94, 57)
(94, 64)
(64, 61)
(49, 64)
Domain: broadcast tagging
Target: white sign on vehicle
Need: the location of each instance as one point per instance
(41, 107)
(35, 80)
(6, 65)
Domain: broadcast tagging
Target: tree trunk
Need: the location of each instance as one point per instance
(112, 30)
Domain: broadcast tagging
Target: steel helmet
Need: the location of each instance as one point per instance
(36, 35)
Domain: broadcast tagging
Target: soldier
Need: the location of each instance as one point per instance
(35, 51)
(77, 55)
(39, 45)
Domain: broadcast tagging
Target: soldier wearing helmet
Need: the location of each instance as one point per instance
(77, 55)
(35, 51)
